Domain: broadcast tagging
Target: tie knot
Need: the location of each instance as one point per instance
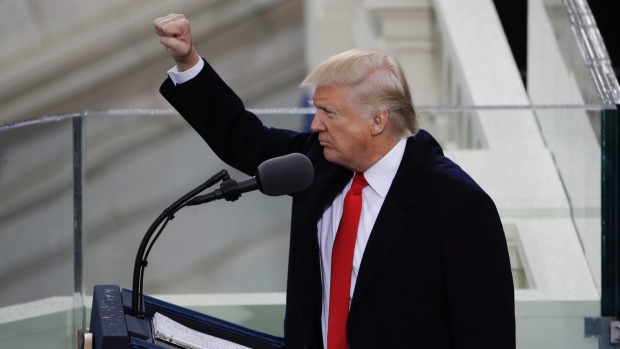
(359, 182)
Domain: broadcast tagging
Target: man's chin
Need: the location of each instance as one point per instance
(330, 156)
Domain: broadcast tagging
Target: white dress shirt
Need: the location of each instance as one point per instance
(379, 178)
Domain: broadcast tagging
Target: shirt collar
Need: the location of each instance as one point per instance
(381, 174)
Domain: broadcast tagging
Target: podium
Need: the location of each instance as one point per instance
(113, 327)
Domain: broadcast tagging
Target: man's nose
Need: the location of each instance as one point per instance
(317, 125)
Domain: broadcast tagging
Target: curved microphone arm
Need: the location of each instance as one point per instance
(167, 214)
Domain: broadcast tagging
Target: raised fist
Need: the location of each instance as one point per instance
(175, 34)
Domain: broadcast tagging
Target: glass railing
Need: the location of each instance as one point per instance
(37, 231)
(228, 259)
(569, 65)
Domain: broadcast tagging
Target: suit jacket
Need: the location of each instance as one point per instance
(435, 272)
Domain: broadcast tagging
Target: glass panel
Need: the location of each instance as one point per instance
(139, 162)
(569, 137)
(36, 234)
(137, 165)
(502, 148)
(568, 64)
(553, 234)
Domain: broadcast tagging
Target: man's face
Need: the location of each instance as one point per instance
(343, 133)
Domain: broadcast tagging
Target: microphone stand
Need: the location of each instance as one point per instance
(167, 215)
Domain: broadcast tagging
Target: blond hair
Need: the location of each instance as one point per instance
(378, 84)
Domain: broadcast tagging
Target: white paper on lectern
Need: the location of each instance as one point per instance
(173, 332)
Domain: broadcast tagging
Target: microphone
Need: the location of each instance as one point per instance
(281, 175)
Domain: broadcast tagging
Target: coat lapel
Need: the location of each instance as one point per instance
(392, 221)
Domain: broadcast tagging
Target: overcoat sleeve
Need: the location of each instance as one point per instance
(219, 116)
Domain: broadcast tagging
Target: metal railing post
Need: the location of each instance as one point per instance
(79, 176)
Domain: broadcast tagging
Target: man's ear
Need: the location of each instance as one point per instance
(380, 123)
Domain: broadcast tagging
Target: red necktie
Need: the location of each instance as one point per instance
(342, 265)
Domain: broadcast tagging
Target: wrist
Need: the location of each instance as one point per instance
(189, 62)
(179, 77)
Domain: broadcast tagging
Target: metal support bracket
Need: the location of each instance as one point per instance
(614, 332)
(606, 329)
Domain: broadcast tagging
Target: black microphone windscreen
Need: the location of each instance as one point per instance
(285, 174)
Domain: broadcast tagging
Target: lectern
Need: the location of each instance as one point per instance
(113, 327)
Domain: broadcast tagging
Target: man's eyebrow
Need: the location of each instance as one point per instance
(319, 105)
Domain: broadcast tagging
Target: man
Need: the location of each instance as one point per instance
(427, 266)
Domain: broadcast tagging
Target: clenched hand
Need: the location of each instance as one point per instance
(176, 35)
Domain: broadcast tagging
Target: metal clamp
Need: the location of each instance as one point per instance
(606, 329)
(614, 332)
